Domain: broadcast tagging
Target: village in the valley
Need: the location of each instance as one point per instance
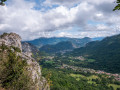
(92, 71)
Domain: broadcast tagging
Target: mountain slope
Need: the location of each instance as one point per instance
(105, 52)
(29, 49)
(54, 40)
(18, 71)
(60, 47)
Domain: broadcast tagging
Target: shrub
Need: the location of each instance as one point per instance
(13, 71)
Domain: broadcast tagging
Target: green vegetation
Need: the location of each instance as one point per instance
(88, 78)
(98, 55)
(54, 40)
(48, 63)
(65, 79)
(117, 7)
(116, 87)
(16, 49)
(13, 70)
(91, 60)
(92, 77)
(105, 55)
(4, 34)
(61, 46)
(77, 76)
(2, 2)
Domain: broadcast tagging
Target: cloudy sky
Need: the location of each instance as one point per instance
(32, 19)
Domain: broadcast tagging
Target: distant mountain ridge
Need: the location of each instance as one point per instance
(97, 38)
(59, 47)
(54, 40)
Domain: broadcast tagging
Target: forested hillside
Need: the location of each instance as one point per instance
(106, 54)
(60, 47)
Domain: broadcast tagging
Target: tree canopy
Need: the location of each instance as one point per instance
(2, 2)
(117, 7)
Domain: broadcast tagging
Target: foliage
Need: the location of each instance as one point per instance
(61, 46)
(62, 80)
(4, 34)
(117, 7)
(16, 49)
(2, 2)
(105, 53)
(116, 87)
(13, 71)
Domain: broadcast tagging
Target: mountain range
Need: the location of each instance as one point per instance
(57, 48)
(105, 51)
(106, 54)
(54, 40)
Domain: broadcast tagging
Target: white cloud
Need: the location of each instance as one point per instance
(21, 17)
(71, 3)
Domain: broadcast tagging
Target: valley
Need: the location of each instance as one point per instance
(90, 75)
(83, 68)
(75, 79)
(59, 44)
(95, 66)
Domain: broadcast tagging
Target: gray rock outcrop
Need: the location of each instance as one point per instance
(13, 39)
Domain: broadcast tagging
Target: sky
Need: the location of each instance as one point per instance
(32, 19)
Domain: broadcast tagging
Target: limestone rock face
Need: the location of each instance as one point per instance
(13, 39)
(28, 49)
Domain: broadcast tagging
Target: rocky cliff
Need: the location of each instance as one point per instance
(29, 49)
(14, 40)
(11, 39)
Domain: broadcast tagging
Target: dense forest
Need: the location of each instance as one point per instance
(106, 54)
(60, 47)
(67, 79)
